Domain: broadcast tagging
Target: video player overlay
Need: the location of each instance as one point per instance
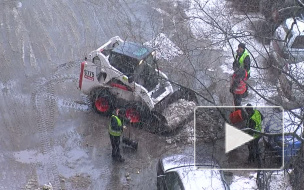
(241, 138)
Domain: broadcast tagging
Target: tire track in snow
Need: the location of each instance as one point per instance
(66, 66)
(66, 103)
(50, 171)
(44, 102)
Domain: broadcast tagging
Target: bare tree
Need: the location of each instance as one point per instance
(211, 45)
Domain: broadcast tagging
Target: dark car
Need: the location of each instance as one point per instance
(276, 11)
(280, 145)
(287, 46)
(179, 172)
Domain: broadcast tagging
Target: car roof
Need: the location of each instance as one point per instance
(133, 50)
(193, 178)
(180, 160)
(299, 30)
(198, 176)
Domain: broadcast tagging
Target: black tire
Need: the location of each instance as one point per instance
(158, 185)
(158, 124)
(103, 102)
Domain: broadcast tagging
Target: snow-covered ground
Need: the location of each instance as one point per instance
(165, 48)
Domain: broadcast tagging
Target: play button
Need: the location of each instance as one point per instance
(235, 138)
(229, 142)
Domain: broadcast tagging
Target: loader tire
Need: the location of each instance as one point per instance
(137, 113)
(159, 124)
(103, 102)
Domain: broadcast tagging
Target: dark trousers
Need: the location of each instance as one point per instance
(254, 152)
(115, 141)
(237, 98)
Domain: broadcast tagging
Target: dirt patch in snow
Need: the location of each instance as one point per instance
(80, 181)
(209, 124)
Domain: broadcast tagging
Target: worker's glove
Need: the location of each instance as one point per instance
(126, 119)
(124, 127)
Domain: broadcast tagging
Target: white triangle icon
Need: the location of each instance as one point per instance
(235, 138)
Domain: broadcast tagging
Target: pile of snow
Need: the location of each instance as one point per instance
(242, 183)
(185, 136)
(178, 112)
(165, 48)
(280, 181)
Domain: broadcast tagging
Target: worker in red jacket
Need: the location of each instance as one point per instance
(238, 85)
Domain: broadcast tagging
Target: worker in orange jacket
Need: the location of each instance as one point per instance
(238, 85)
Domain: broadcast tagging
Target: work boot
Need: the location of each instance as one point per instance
(119, 159)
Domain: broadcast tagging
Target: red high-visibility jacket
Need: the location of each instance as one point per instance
(238, 85)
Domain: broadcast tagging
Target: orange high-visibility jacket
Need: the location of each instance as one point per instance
(238, 85)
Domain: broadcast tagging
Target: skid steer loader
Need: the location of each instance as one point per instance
(122, 74)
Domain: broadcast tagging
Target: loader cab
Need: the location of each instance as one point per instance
(137, 62)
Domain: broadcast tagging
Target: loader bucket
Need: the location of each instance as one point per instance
(181, 93)
(175, 110)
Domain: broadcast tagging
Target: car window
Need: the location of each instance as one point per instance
(173, 181)
(298, 42)
(124, 64)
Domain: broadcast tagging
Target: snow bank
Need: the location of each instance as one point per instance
(165, 48)
(280, 181)
(242, 183)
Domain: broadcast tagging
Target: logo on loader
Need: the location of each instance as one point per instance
(89, 75)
